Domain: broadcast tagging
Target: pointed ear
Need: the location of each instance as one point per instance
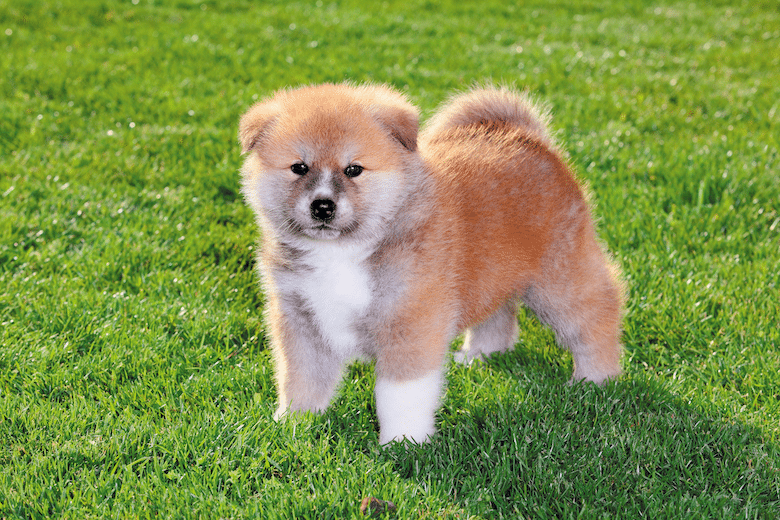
(256, 123)
(394, 112)
(402, 123)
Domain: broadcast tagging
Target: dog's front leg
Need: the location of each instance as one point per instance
(307, 369)
(406, 408)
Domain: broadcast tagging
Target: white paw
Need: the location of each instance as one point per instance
(594, 375)
(462, 357)
(406, 409)
(280, 414)
(468, 358)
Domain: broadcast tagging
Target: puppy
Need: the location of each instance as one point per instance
(379, 245)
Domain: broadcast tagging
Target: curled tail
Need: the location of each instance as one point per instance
(491, 106)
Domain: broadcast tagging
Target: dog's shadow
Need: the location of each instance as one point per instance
(524, 442)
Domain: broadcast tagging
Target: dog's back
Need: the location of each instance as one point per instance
(506, 186)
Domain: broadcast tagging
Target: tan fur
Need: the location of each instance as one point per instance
(439, 237)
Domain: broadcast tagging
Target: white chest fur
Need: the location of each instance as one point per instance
(337, 291)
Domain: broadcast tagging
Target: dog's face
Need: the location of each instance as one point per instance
(329, 162)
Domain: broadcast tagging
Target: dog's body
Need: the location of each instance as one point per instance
(375, 248)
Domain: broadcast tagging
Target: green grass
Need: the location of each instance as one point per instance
(134, 376)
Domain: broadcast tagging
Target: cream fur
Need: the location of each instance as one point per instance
(337, 291)
(406, 409)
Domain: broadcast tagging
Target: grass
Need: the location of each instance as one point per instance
(134, 377)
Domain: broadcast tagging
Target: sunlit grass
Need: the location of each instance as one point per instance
(134, 375)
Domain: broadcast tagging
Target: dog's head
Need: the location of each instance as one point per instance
(330, 161)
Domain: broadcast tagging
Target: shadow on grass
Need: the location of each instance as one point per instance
(540, 448)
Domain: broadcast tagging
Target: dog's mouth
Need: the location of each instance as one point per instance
(314, 230)
(322, 231)
(326, 231)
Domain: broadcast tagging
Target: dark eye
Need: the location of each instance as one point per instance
(353, 170)
(299, 168)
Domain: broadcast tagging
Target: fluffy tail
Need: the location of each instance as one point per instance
(490, 106)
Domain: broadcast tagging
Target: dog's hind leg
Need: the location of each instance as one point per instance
(580, 299)
(498, 333)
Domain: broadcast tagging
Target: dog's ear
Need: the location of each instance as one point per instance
(395, 113)
(402, 123)
(256, 123)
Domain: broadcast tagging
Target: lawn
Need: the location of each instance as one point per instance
(135, 379)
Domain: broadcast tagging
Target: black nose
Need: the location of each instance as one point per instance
(323, 210)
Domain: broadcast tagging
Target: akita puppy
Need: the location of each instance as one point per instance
(380, 245)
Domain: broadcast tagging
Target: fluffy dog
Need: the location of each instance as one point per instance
(377, 244)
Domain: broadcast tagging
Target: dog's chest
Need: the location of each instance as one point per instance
(337, 291)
